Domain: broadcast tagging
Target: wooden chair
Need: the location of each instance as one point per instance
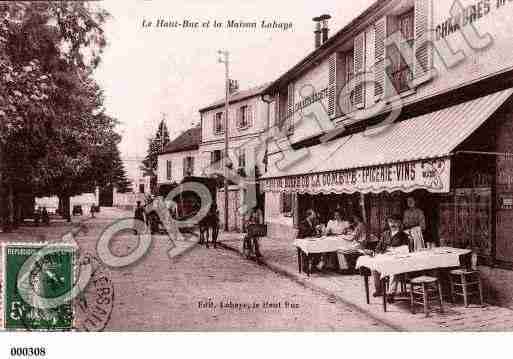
(466, 283)
(423, 290)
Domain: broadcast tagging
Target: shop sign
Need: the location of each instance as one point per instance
(467, 16)
(310, 100)
(51, 277)
(432, 175)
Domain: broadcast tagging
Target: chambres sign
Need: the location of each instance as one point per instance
(432, 175)
(468, 15)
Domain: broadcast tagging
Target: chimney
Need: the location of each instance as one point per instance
(324, 27)
(317, 31)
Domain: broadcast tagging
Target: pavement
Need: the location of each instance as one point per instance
(196, 290)
(280, 256)
(216, 289)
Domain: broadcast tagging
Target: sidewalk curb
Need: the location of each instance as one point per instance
(308, 284)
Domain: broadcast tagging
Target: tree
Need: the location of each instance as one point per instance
(155, 147)
(48, 100)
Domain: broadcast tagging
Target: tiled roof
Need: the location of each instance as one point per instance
(238, 96)
(187, 141)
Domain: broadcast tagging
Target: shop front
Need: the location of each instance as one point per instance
(447, 160)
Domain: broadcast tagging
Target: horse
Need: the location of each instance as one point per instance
(209, 223)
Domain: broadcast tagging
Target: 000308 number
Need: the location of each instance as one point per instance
(28, 352)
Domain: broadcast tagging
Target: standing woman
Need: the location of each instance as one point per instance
(414, 217)
(255, 218)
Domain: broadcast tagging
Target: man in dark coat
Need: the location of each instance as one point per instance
(139, 216)
(392, 238)
(308, 226)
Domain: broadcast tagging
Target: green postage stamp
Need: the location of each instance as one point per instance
(36, 281)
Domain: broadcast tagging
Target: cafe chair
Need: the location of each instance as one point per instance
(466, 283)
(423, 290)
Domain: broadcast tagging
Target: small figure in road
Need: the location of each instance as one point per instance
(139, 218)
(45, 217)
(92, 210)
(251, 240)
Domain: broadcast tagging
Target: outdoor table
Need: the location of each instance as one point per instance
(390, 264)
(309, 246)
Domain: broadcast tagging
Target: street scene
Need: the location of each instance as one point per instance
(335, 168)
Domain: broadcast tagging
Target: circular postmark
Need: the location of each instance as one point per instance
(89, 309)
(93, 306)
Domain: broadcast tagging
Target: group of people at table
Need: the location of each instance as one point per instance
(394, 238)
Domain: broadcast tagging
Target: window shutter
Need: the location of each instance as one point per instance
(250, 115)
(341, 77)
(332, 84)
(184, 166)
(359, 68)
(380, 28)
(191, 164)
(168, 170)
(290, 106)
(422, 47)
(370, 39)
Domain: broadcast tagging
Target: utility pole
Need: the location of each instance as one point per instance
(224, 59)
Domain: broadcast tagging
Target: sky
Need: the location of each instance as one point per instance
(148, 72)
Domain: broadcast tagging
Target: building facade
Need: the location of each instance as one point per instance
(249, 116)
(411, 98)
(180, 158)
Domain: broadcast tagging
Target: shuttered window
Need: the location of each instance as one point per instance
(241, 168)
(244, 117)
(215, 159)
(169, 173)
(219, 123)
(346, 97)
(188, 166)
(414, 26)
(359, 68)
(401, 68)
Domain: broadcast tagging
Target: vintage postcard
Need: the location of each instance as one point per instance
(171, 166)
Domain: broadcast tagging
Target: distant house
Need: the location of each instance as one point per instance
(179, 158)
(248, 119)
(249, 116)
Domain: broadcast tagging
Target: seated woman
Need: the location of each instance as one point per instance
(347, 259)
(392, 238)
(337, 225)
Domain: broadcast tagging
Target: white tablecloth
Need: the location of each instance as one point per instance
(390, 264)
(326, 244)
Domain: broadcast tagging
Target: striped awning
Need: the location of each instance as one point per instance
(408, 155)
